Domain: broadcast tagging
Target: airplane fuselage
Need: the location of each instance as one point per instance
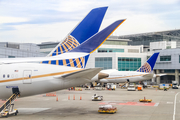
(34, 78)
(123, 76)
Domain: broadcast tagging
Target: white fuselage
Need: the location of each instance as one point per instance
(34, 78)
(122, 76)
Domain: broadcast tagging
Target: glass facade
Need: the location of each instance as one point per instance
(44, 46)
(115, 42)
(128, 64)
(109, 50)
(169, 71)
(103, 62)
(165, 58)
(146, 38)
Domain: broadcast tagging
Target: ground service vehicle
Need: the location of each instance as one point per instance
(107, 109)
(174, 85)
(131, 88)
(97, 97)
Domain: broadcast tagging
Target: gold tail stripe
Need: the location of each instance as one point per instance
(64, 63)
(78, 63)
(71, 62)
(71, 45)
(65, 48)
(68, 46)
(57, 51)
(82, 61)
(57, 62)
(61, 50)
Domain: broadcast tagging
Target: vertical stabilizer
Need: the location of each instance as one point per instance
(89, 46)
(85, 29)
(149, 65)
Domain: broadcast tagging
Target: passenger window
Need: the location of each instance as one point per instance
(8, 76)
(12, 76)
(3, 76)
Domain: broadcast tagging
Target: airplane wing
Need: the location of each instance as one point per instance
(68, 55)
(159, 75)
(86, 73)
(148, 75)
(108, 71)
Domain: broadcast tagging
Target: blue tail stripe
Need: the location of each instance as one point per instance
(66, 47)
(46, 62)
(54, 53)
(67, 62)
(62, 48)
(53, 62)
(74, 61)
(80, 62)
(60, 62)
(86, 59)
(59, 51)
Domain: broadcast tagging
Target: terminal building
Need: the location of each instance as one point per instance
(18, 50)
(124, 53)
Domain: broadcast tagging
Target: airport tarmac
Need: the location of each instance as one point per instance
(40, 107)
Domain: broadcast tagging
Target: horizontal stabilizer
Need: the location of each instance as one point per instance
(67, 55)
(85, 29)
(86, 73)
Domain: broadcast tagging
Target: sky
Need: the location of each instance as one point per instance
(36, 21)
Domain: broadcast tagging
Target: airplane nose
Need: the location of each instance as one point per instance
(102, 75)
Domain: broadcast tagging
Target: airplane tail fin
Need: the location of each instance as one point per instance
(98, 39)
(85, 29)
(149, 65)
(89, 46)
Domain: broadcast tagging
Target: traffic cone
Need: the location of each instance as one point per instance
(74, 97)
(68, 97)
(80, 98)
(56, 98)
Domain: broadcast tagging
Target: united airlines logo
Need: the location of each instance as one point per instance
(67, 45)
(145, 68)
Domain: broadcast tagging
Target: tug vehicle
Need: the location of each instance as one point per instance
(97, 97)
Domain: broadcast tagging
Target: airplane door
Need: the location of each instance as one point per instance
(27, 79)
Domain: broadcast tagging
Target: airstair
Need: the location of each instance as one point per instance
(6, 108)
(127, 82)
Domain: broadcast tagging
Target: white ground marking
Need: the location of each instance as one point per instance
(156, 104)
(169, 102)
(175, 106)
(30, 110)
